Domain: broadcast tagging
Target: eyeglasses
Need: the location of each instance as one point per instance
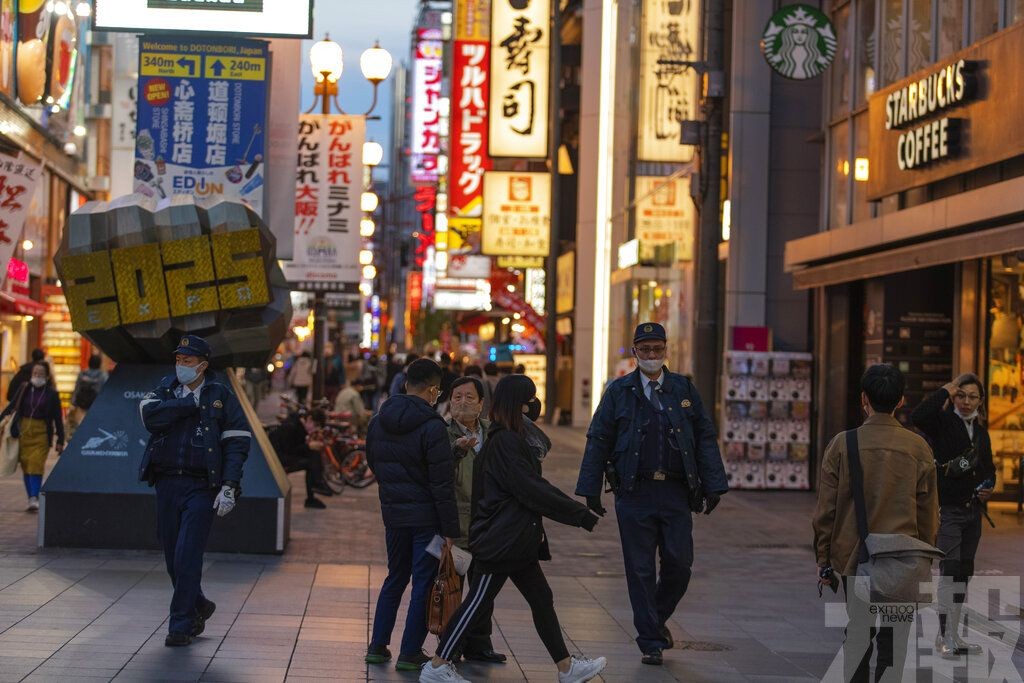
(961, 396)
(650, 350)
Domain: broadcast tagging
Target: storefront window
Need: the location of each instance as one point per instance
(951, 27)
(841, 68)
(892, 41)
(840, 174)
(862, 208)
(1017, 10)
(984, 19)
(867, 40)
(1006, 368)
(919, 53)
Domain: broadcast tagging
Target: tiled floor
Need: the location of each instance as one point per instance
(752, 612)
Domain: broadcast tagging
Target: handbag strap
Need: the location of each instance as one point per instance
(857, 491)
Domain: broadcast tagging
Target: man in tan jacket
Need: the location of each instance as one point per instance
(900, 497)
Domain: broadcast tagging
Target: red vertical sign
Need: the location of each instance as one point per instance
(469, 160)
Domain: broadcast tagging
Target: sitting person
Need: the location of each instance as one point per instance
(299, 448)
(350, 401)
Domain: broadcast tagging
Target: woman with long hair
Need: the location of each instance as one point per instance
(37, 417)
(510, 500)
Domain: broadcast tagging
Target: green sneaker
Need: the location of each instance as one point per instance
(413, 662)
(377, 654)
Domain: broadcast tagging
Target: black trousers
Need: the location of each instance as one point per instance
(479, 603)
(869, 631)
(478, 636)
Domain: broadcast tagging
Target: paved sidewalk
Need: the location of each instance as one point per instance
(752, 612)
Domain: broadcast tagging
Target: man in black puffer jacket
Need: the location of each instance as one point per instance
(408, 450)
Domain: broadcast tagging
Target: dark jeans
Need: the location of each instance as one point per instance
(300, 394)
(184, 514)
(407, 557)
(655, 519)
(864, 635)
(479, 604)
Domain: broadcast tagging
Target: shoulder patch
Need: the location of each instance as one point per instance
(686, 403)
(218, 404)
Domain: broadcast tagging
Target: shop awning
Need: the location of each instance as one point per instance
(20, 305)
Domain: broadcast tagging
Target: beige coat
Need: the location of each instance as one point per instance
(900, 491)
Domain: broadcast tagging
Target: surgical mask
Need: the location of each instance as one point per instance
(650, 365)
(186, 373)
(467, 413)
(533, 409)
(38, 382)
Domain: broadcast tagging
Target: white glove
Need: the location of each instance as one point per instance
(225, 501)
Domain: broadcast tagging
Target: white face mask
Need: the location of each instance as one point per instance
(650, 365)
(38, 382)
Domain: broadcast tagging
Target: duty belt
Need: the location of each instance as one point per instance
(181, 473)
(661, 475)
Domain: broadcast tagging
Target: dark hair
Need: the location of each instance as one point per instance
(44, 366)
(883, 385)
(510, 395)
(422, 373)
(477, 384)
(520, 369)
(971, 378)
(318, 416)
(446, 360)
(411, 358)
(95, 361)
(491, 369)
(473, 371)
(37, 355)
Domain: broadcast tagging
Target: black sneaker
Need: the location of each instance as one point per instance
(177, 640)
(652, 657)
(207, 609)
(198, 626)
(667, 635)
(315, 504)
(489, 656)
(413, 662)
(377, 654)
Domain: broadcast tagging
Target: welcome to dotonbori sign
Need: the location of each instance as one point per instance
(947, 119)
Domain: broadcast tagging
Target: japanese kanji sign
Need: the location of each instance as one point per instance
(19, 176)
(329, 182)
(426, 106)
(520, 78)
(469, 157)
(664, 215)
(472, 19)
(202, 108)
(517, 213)
(669, 35)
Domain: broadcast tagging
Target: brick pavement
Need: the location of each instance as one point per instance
(752, 613)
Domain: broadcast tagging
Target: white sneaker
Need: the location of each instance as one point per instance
(445, 674)
(581, 669)
(33, 504)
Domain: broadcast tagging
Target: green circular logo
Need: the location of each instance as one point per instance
(799, 42)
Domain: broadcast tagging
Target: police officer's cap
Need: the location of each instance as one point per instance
(191, 345)
(646, 331)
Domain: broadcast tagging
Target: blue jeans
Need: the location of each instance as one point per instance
(407, 557)
(184, 515)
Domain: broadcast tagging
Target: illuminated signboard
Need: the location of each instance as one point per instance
(426, 106)
(469, 159)
(281, 18)
(517, 213)
(664, 215)
(520, 78)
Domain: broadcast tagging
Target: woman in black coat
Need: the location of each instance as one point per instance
(510, 498)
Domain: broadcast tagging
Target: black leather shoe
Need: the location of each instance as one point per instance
(177, 640)
(489, 656)
(207, 609)
(323, 490)
(198, 626)
(667, 635)
(315, 504)
(652, 657)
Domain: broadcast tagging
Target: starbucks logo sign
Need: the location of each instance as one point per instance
(799, 42)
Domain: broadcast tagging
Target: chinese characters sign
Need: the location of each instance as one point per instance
(19, 176)
(329, 181)
(201, 117)
(426, 106)
(668, 91)
(425, 200)
(472, 19)
(664, 215)
(520, 47)
(469, 157)
(517, 213)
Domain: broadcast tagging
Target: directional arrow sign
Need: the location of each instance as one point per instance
(217, 68)
(189, 64)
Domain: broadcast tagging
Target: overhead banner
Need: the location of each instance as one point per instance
(469, 159)
(125, 116)
(670, 35)
(664, 215)
(202, 113)
(329, 184)
(517, 213)
(520, 78)
(426, 105)
(19, 176)
(272, 18)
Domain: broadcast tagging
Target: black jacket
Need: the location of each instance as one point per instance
(54, 417)
(407, 448)
(948, 437)
(510, 498)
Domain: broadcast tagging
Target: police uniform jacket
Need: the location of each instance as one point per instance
(616, 435)
(225, 430)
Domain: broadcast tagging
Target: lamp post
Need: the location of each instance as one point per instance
(326, 60)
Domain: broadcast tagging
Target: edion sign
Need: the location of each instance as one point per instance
(280, 18)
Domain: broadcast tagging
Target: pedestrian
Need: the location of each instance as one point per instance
(477, 372)
(37, 417)
(300, 376)
(299, 446)
(899, 498)
(349, 400)
(24, 373)
(407, 448)
(467, 433)
(951, 421)
(87, 387)
(199, 440)
(368, 382)
(334, 366)
(397, 386)
(448, 377)
(653, 441)
(507, 538)
(491, 374)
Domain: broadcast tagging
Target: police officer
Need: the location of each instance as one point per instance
(652, 440)
(199, 439)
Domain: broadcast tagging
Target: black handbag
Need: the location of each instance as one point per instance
(966, 462)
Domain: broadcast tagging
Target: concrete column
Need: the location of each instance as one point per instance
(749, 130)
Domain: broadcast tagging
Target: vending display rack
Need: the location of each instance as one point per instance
(62, 344)
(766, 421)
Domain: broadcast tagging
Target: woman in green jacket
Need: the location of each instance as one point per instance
(467, 432)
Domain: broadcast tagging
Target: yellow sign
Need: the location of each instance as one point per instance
(565, 289)
(472, 19)
(520, 262)
(169, 64)
(517, 213)
(536, 369)
(520, 79)
(235, 68)
(664, 215)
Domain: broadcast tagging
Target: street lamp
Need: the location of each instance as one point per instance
(326, 60)
(373, 153)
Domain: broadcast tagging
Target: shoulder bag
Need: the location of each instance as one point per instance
(10, 446)
(445, 594)
(895, 565)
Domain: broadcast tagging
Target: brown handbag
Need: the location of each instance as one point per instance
(445, 595)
